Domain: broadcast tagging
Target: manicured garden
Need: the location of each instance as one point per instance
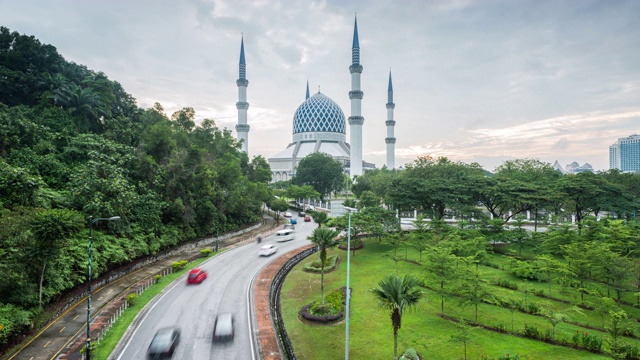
(515, 316)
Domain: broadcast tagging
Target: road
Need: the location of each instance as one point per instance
(193, 308)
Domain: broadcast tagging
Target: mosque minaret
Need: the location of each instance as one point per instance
(355, 95)
(242, 128)
(390, 139)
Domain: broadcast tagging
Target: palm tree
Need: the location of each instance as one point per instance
(320, 217)
(324, 238)
(397, 295)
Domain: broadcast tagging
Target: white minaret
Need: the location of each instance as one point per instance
(242, 128)
(355, 95)
(390, 139)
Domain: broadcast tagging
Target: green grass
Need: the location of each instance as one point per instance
(371, 335)
(120, 326)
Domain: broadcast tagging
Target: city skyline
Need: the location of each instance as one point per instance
(474, 81)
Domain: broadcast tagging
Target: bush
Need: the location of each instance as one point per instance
(409, 354)
(314, 266)
(531, 332)
(131, 299)
(206, 252)
(332, 310)
(591, 343)
(157, 278)
(179, 265)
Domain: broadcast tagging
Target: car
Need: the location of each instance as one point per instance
(302, 214)
(223, 327)
(289, 226)
(293, 221)
(287, 214)
(196, 276)
(164, 343)
(267, 250)
(307, 218)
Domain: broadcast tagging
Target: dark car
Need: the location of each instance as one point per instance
(301, 214)
(164, 343)
(223, 328)
(196, 276)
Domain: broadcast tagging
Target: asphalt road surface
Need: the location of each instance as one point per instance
(193, 308)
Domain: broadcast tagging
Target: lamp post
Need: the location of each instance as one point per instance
(91, 222)
(346, 336)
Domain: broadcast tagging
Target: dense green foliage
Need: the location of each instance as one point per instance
(74, 144)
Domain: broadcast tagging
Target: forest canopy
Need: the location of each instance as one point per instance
(74, 145)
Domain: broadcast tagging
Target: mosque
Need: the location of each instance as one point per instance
(319, 125)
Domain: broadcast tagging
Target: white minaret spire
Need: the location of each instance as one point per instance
(390, 139)
(242, 128)
(355, 95)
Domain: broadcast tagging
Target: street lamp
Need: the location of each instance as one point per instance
(91, 222)
(346, 337)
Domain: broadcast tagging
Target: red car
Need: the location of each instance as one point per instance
(307, 218)
(196, 276)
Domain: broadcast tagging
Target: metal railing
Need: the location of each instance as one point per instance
(274, 302)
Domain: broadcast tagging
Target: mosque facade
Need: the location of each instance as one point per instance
(319, 125)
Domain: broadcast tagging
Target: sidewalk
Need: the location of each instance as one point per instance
(66, 335)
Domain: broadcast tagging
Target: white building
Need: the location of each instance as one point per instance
(624, 155)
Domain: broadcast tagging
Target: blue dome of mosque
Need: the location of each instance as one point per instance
(319, 113)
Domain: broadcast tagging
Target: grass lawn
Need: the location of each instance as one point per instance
(371, 334)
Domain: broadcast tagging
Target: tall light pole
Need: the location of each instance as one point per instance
(346, 336)
(91, 222)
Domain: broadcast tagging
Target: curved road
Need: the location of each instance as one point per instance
(193, 308)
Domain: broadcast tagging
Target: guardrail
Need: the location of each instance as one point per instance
(274, 301)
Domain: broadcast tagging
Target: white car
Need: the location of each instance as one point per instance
(288, 214)
(268, 250)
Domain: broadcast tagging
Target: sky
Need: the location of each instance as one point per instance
(474, 80)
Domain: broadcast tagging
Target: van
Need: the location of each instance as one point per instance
(284, 235)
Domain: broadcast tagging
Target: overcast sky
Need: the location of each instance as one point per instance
(482, 80)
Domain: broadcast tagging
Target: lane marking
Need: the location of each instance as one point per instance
(61, 330)
(45, 345)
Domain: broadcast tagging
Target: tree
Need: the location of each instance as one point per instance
(547, 268)
(441, 266)
(397, 295)
(324, 238)
(472, 289)
(580, 258)
(434, 186)
(420, 237)
(50, 229)
(320, 217)
(463, 335)
(278, 205)
(369, 199)
(320, 171)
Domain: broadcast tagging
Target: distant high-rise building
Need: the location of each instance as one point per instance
(624, 155)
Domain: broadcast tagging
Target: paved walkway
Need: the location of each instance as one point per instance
(64, 336)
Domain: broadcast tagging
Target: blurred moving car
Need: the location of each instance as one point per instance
(307, 218)
(196, 276)
(223, 327)
(284, 235)
(289, 226)
(267, 250)
(287, 214)
(293, 221)
(301, 214)
(164, 343)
